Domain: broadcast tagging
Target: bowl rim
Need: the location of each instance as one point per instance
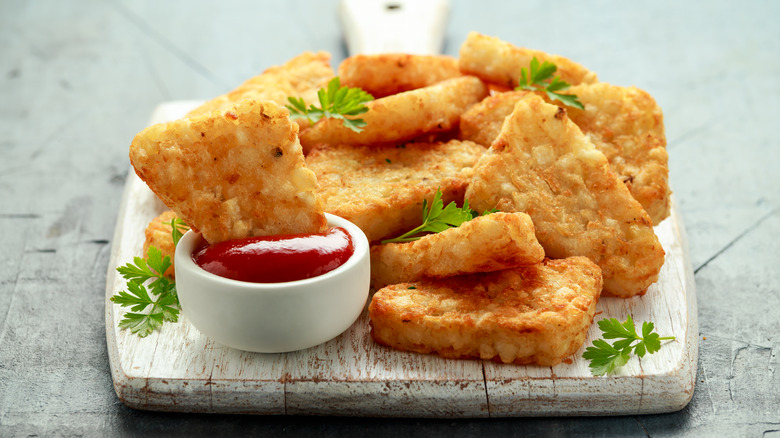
(188, 240)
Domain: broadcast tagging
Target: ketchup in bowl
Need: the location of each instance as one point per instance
(277, 259)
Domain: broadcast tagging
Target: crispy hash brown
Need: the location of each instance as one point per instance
(391, 73)
(627, 126)
(496, 61)
(624, 123)
(482, 122)
(158, 235)
(484, 244)
(531, 314)
(381, 188)
(402, 116)
(231, 174)
(301, 77)
(543, 165)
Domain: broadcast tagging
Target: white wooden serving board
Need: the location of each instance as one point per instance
(178, 369)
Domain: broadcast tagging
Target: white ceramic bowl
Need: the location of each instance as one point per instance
(274, 317)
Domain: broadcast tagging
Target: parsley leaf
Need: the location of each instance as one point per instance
(335, 102)
(178, 228)
(604, 358)
(536, 80)
(475, 214)
(161, 297)
(438, 218)
(141, 323)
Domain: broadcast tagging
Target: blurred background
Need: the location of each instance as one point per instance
(79, 79)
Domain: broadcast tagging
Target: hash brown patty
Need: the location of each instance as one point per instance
(232, 174)
(484, 244)
(381, 188)
(543, 165)
(530, 314)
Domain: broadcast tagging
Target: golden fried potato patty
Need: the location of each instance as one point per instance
(624, 123)
(301, 76)
(381, 188)
(391, 73)
(484, 244)
(496, 61)
(231, 174)
(530, 314)
(482, 122)
(543, 165)
(158, 234)
(402, 116)
(627, 126)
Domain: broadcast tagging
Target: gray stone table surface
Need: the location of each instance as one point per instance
(79, 78)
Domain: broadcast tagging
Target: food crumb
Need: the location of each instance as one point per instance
(568, 361)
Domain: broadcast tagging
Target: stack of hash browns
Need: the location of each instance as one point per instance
(578, 190)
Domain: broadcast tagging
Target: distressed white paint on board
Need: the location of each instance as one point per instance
(178, 369)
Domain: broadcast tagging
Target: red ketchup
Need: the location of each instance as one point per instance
(276, 259)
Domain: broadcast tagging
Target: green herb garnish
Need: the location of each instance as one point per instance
(335, 102)
(474, 214)
(437, 218)
(178, 228)
(541, 78)
(161, 293)
(604, 358)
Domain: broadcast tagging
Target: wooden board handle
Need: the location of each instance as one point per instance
(393, 26)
